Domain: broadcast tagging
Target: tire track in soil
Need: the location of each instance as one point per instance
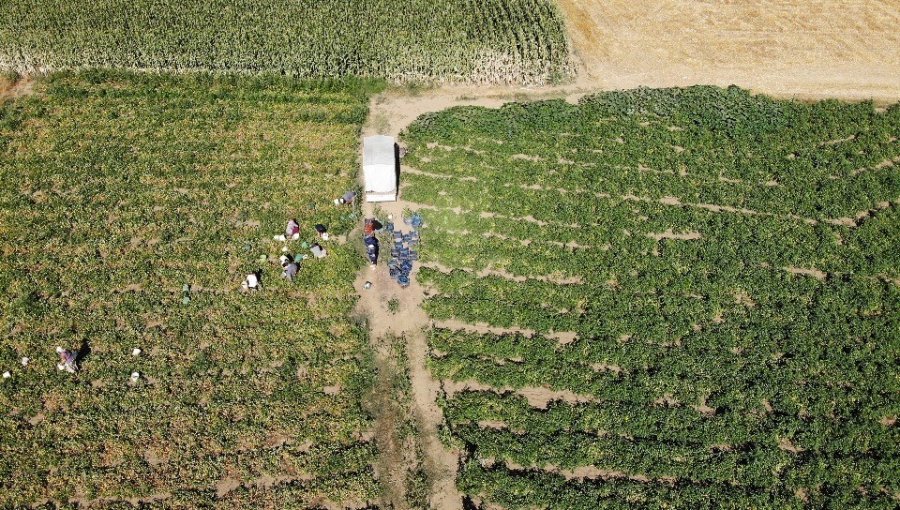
(411, 322)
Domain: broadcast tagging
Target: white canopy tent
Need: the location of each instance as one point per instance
(380, 168)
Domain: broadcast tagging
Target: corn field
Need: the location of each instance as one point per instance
(480, 41)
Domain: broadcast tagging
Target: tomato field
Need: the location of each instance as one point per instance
(678, 298)
(488, 41)
(131, 209)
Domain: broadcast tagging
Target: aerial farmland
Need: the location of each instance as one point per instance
(637, 255)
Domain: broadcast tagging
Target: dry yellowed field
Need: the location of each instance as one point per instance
(802, 48)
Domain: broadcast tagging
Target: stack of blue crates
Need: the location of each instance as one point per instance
(403, 252)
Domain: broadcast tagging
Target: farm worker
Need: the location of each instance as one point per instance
(317, 251)
(346, 199)
(68, 360)
(372, 250)
(371, 226)
(323, 231)
(289, 267)
(292, 231)
(251, 282)
(290, 271)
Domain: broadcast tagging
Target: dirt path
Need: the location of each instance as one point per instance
(411, 321)
(12, 88)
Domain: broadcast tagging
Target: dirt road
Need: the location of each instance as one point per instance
(410, 321)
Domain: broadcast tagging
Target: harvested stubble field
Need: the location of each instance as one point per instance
(810, 48)
(119, 189)
(496, 41)
(665, 298)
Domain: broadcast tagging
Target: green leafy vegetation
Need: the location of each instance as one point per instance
(515, 41)
(118, 191)
(691, 297)
(401, 461)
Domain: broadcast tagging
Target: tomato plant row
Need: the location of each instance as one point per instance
(711, 274)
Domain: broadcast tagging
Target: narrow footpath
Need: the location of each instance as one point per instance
(410, 322)
(389, 113)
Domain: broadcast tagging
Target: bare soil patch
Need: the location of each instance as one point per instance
(703, 408)
(538, 397)
(589, 473)
(815, 273)
(741, 297)
(15, 88)
(556, 278)
(34, 420)
(481, 328)
(788, 446)
(226, 485)
(154, 457)
(669, 234)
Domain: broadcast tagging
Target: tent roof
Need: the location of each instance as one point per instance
(379, 150)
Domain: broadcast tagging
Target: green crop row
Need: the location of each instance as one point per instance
(756, 468)
(530, 488)
(614, 247)
(118, 191)
(734, 429)
(735, 150)
(509, 41)
(723, 269)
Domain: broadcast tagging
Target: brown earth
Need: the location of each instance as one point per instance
(12, 88)
(411, 321)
